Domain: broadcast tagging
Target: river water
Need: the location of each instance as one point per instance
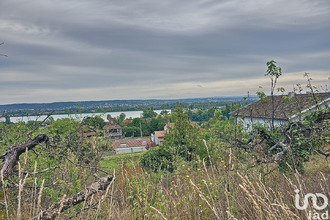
(129, 114)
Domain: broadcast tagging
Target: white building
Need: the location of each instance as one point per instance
(291, 107)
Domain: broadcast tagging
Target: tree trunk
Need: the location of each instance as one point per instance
(11, 158)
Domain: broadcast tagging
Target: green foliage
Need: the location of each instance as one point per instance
(183, 142)
(305, 140)
(157, 159)
(15, 133)
(64, 127)
(7, 119)
(131, 131)
(273, 71)
(185, 137)
(118, 160)
(145, 126)
(121, 119)
(149, 113)
(94, 123)
(64, 132)
(261, 94)
(200, 115)
(301, 139)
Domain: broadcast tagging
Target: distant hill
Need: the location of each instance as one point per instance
(108, 105)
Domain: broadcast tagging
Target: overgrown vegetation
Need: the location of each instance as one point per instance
(212, 169)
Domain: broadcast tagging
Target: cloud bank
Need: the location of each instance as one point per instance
(104, 49)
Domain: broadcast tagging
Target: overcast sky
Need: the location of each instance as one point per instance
(75, 50)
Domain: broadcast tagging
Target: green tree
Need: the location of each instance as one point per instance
(164, 112)
(149, 113)
(64, 127)
(94, 122)
(7, 117)
(273, 72)
(182, 143)
(121, 119)
(185, 137)
(131, 131)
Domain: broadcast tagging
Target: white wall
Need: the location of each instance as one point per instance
(129, 149)
(248, 121)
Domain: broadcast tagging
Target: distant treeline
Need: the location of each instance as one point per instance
(112, 105)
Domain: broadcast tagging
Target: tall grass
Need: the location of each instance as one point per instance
(225, 190)
(200, 192)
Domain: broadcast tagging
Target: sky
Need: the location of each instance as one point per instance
(81, 50)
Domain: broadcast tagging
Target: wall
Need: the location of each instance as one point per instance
(247, 121)
(129, 149)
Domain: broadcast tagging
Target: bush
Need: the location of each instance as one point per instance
(157, 159)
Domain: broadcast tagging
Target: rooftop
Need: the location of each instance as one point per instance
(141, 142)
(285, 106)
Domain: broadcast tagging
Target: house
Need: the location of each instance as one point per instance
(158, 137)
(132, 145)
(113, 130)
(291, 107)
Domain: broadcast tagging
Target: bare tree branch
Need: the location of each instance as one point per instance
(11, 158)
(53, 211)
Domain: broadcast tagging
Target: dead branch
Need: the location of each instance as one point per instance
(53, 211)
(11, 158)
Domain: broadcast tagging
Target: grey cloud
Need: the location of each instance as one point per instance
(93, 45)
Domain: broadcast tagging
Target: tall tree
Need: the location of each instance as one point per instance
(273, 72)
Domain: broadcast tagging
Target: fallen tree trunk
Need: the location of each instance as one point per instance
(53, 211)
(11, 158)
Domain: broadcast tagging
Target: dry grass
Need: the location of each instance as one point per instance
(195, 191)
(200, 192)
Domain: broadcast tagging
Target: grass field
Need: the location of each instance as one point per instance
(119, 161)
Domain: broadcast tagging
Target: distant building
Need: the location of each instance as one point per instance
(113, 130)
(291, 107)
(132, 145)
(158, 137)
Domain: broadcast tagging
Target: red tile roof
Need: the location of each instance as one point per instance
(160, 133)
(141, 142)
